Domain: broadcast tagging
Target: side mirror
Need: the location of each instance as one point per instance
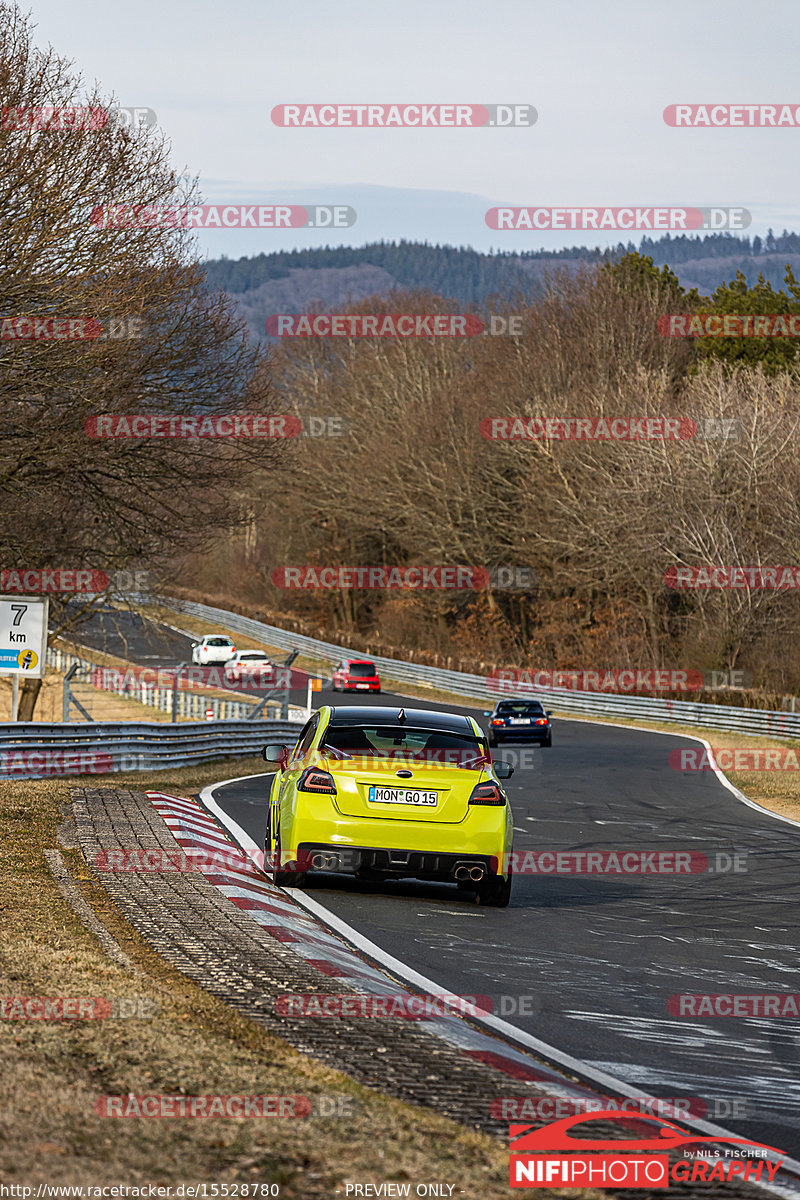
(487, 714)
(274, 753)
(503, 770)
(548, 712)
(195, 645)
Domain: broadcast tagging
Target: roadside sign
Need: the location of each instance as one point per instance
(23, 636)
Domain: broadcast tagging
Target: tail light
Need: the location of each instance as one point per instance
(487, 794)
(541, 721)
(498, 721)
(314, 780)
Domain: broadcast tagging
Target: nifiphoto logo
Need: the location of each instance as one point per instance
(575, 1152)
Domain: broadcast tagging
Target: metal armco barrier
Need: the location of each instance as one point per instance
(595, 704)
(117, 681)
(33, 751)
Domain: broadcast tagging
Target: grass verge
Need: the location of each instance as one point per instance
(193, 1045)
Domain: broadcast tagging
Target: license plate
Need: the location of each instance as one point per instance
(362, 685)
(392, 795)
(521, 720)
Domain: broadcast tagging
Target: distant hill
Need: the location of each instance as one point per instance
(305, 280)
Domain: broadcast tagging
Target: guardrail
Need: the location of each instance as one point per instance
(34, 751)
(118, 682)
(679, 712)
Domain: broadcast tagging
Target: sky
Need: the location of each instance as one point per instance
(598, 74)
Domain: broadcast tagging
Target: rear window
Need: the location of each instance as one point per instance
(219, 641)
(392, 741)
(362, 669)
(255, 656)
(525, 709)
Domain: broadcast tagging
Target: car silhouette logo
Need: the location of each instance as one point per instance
(555, 1137)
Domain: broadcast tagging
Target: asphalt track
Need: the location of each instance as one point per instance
(588, 963)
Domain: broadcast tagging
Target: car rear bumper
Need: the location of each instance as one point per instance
(520, 735)
(396, 862)
(485, 834)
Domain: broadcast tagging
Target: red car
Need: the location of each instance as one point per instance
(355, 675)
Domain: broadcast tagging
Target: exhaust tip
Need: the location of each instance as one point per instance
(476, 874)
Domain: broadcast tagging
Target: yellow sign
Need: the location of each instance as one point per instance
(27, 659)
(316, 685)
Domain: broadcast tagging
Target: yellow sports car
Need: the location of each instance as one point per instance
(385, 793)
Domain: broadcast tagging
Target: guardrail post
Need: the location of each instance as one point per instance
(175, 679)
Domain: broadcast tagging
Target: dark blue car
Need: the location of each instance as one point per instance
(519, 721)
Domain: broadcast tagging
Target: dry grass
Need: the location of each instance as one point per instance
(52, 1072)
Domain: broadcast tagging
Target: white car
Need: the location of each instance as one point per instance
(248, 664)
(215, 648)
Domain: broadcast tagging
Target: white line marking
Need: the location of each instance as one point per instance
(421, 982)
(693, 738)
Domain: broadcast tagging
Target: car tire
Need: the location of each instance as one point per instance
(548, 741)
(496, 893)
(284, 878)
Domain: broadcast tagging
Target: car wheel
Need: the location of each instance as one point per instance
(494, 894)
(284, 878)
(548, 741)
